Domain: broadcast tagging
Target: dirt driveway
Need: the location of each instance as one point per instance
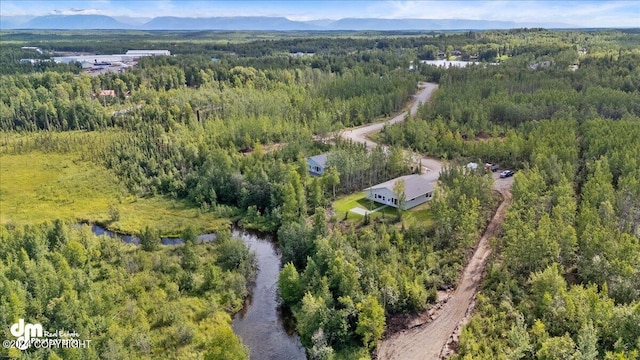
(428, 340)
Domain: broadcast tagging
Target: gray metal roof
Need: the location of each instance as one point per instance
(320, 159)
(414, 186)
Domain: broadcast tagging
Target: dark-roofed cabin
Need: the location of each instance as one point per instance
(417, 190)
(317, 164)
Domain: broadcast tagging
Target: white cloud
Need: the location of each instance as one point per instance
(73, 11)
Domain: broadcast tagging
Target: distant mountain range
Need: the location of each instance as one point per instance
(103, 22)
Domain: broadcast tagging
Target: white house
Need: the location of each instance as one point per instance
(417, 190)
(317, 164)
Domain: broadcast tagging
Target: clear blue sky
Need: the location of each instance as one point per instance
(589, 13)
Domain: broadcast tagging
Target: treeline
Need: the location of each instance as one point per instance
(186, 163)
(358, 168)
(305, 97)
(252, 44)
(492, 112)
(11, 64)
(128, 302)
(50, 100)
(342, 284)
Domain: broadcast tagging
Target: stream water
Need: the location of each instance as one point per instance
(261, 324)
(132, 239)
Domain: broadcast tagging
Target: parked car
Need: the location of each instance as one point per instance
(491, 167)
(506, 174)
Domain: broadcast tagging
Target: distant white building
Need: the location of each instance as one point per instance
(30, 61)
(301, 54)
(89, 60)
(34, 48)
(541, 65)
(417, 190)
(149, 52)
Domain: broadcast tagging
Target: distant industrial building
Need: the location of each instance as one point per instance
(149, 52)
(34, 48)
(33, 61)
(89, 61)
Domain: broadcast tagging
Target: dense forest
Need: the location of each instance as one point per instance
(130, 302)
(229, 136)
(564, 281)
(341, 283)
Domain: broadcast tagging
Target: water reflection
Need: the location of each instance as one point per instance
(262, 324)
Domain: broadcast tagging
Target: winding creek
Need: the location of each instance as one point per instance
(261, 323)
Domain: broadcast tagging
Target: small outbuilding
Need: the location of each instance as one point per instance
(317, 164)
(110, 93)
(417, 190)
(472, 166)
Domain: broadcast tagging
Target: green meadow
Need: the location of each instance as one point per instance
(36, 187)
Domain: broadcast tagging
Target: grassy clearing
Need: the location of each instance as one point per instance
(37, 187)
(421, 213)
(344, 204)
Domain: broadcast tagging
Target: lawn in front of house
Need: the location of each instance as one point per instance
(348, 202)
(342, 207)
(419, 214)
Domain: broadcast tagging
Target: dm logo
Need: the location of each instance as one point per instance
(24, 332)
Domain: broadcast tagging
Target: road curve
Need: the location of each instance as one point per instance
(359, 134)
(431, 167)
